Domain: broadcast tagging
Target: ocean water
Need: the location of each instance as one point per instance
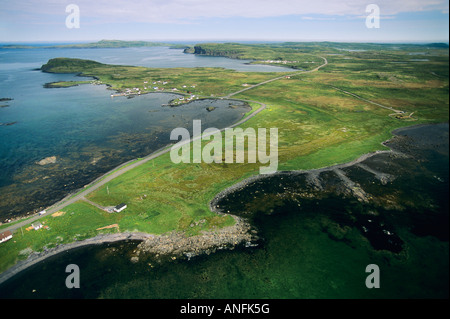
(87, 131)
(309, 246)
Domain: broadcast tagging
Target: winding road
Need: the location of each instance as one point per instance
(277, 78)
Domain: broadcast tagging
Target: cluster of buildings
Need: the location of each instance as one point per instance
(155, 83)
(184, 99)
(7, 235)
(279, 61)
(148, 86)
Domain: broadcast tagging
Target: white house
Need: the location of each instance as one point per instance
(5, 236)
(36, 226)
(120, 208)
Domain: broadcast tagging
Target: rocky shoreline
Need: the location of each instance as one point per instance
(213, 205)
(173, 244)
(313, 173)
(176, 244)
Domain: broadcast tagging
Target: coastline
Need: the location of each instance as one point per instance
(215, 239)
(177, 243)
(170, 244)
(314, 172)
(33, 214)
(215, 208)
(47, 69)
(35, 258)
(174, 243)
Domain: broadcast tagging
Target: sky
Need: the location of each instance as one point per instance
(224, 20)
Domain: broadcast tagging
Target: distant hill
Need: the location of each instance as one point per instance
(68, 65)
(437, 45)
(113, 44)
(101, 44)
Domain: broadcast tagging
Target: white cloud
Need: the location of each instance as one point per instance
(182, 11)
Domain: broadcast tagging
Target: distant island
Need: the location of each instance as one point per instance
(233, 50)
(100, 45)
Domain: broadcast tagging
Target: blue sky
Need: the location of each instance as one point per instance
(225, 20)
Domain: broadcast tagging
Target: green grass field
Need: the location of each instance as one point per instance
(318, 126)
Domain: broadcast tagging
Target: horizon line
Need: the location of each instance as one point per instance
(231, 40)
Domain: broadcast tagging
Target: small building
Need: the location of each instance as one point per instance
(5, 236)
(120, 208)
(36, 226)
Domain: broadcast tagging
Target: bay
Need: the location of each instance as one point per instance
(88, 132)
